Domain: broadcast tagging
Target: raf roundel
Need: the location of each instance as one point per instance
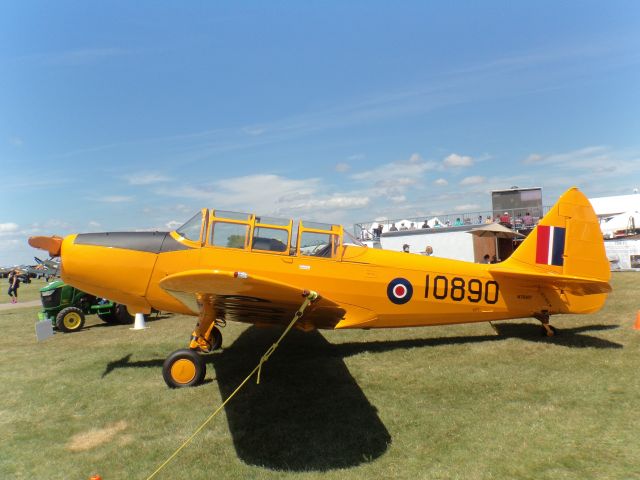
(399, 291)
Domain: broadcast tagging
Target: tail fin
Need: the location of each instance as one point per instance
(565, 250)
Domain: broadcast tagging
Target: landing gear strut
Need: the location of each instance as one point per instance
(547, 330)
(186, 367)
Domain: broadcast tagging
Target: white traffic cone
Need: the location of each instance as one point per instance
(139, 322)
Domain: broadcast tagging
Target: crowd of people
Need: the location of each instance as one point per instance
(518, 222)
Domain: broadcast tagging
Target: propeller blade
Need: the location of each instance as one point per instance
(51, 244)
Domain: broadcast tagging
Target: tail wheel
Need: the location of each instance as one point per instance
(183, 368)
(215, 339)
(70, 319)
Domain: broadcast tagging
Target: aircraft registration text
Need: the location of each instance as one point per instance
(458, 289)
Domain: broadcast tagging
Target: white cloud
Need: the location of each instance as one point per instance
(8, 228)
(576, 158)
(114, 199)
(173, 224)
(331, 203)
(441, 182)
(269, 194)
(398, 198)
(356, 156)
(11, 242)
(597, 170)
(16, 141)
(94, 224)
(397, 182)
(457, 161)
(342, 167)
(467, 207)
(415, 158)
(533, 158)
(473, 180)
(83, 56)
(414, 167)
(145, 178)
(254, 131)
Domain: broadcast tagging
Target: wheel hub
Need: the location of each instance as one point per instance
(183, 371)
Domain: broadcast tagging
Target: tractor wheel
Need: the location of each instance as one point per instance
(183, 368)
(70, 319)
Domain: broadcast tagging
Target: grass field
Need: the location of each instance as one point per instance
(456, 402)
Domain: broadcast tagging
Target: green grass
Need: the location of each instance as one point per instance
(457, 402)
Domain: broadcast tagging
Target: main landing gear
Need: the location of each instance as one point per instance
(547, 329)
(187, 367)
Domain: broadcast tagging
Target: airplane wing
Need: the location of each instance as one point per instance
(570, 283)
(240, 296)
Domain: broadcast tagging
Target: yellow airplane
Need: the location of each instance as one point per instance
(225, 266)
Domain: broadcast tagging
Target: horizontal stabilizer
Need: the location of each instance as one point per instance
(570, 283)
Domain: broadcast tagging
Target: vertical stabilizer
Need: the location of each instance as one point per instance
(565, 252)
(567, 241)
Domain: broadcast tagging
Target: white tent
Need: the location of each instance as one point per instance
(619, 222)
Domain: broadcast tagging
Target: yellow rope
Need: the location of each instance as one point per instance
(310, 297)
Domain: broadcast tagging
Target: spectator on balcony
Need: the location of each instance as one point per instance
(403, 227)
(527, 221)
(518, 222)
(425, 224)
(480, 221)
(488, 219)
(505, 219)
(393, 228)
(413, 226)
(458, 222)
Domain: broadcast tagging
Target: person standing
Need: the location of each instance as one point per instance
(14, 284)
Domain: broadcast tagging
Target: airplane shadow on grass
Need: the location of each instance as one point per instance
(308, 413)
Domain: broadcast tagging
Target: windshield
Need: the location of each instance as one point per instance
(348, 239)
(191, 229)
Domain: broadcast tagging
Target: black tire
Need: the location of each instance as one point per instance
(70, 319)
(183, 368)
(123, 317)
(216, 339)
(109, 317)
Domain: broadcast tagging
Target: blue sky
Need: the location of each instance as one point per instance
(133, 115)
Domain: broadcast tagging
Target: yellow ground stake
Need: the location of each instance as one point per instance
(310, 297)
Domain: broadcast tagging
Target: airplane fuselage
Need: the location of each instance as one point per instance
(381, 288)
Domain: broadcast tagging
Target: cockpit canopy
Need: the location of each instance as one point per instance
(246, 231)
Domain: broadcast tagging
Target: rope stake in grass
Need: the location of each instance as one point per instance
(310, 297)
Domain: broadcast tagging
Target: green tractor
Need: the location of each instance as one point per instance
(66, 307)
